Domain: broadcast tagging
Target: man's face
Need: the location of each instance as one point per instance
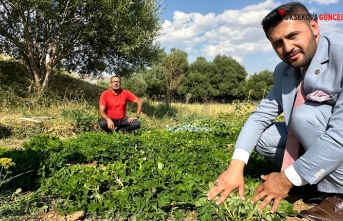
(115, 83)
(295, 41)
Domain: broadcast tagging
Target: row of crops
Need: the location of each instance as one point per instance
(156, 174)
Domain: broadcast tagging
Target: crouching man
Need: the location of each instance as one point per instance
(112, 109)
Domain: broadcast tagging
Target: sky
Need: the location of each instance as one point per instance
(233, 28)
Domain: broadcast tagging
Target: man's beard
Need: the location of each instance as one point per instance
(307, 55)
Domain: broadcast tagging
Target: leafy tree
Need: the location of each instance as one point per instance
(155, 81)
(229, 81)
(200, 85)
(223, 78)
(259, 84)
(175, 65)
(196, 83)
(136, 84)
(85, 36)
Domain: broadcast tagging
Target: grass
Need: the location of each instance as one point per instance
(67, 114)
(67, 119)
(72, 105)
(15, 131)
(211, 109)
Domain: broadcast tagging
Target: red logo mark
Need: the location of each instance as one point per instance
(281, 12)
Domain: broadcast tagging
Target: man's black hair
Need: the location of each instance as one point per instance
(287, 10)
(115, 76)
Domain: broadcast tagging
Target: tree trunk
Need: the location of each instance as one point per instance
(32, 68)
(41, 75)
(49, 66)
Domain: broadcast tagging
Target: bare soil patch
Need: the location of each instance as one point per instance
(297, 200)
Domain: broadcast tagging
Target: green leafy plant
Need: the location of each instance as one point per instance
(5, 164)
(187, 127)
(153, 175)
(84, 121)
(234, 208)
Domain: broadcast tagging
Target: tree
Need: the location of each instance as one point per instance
(85, 36)
(175, 64)
(136, 84)
(229, 81)
(155, 80)
(196, 83)
(259, 84)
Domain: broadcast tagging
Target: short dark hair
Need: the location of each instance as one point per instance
(289, 9)
(115, 76)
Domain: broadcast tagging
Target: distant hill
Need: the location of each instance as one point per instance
(16, 81)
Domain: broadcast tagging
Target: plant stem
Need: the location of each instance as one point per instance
(251, 213)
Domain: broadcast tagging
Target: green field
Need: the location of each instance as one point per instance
(65, 164)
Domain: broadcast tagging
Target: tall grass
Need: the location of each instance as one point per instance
(211, 109)
(71, 117)
(66, 117)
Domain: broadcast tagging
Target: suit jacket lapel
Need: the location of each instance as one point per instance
(317, 67)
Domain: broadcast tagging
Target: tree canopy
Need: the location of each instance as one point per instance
(175, 66)
(84, 36)
(259, 84)
(221, 79)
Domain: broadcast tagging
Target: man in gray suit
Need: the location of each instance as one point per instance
(317, 124)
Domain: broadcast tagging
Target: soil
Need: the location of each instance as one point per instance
(53, 215)
(298, 205)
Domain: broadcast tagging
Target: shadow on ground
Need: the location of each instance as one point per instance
(5, 132)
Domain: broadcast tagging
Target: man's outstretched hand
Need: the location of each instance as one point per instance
(228, 181)
(274, 188)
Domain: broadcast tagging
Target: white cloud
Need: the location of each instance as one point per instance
(324, 2)
(186, 27)
(232, 33)
(330, 27)
(237, 58)
(262, 6)
(274, 59)
(235, 33)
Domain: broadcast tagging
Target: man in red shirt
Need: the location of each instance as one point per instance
(112, 108)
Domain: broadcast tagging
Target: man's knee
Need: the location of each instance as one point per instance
(310, 120)
(272, 142)
(103, 124)
(135, 125)
(264, 148)
(312, 114)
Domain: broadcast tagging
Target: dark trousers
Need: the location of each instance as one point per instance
(122, 125)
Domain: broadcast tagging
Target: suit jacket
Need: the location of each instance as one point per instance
(327, 154)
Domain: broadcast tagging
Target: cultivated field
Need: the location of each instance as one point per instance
(66, 164)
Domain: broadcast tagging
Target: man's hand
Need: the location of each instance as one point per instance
(130, 119)
(110, 124)
(275, 187)
(228, 181)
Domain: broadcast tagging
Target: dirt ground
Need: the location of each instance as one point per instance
(297, 195)
(299, 205)
(53, 215)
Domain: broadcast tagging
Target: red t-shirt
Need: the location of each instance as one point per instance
(116, 103)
